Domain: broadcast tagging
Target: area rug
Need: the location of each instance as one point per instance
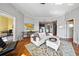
(65, 49)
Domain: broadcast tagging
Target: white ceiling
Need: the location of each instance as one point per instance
(46, 10)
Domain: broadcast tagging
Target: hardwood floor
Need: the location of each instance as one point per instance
(22, 51)
(75, 46)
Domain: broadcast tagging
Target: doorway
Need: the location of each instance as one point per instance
(49, 27)
(70, 29)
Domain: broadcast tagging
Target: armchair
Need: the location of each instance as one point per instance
(39, 38)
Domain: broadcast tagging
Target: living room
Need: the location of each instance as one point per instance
(44, 29)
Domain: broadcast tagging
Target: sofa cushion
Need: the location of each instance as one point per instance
(42, 35)
(36, 35)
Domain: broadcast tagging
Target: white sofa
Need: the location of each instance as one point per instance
(41, 39)
(55, 45)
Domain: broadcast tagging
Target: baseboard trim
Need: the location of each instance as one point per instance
(68, 39)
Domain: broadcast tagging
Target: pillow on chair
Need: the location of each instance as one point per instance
(36, 34)
(47, 34)
(1, 49)
(34, 38)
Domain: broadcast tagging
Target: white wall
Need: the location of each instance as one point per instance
(28, 20)
(61, 27)
(8, 8)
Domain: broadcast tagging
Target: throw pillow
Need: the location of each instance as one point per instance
(34, 38)
(37, 35)
(47, 34)
(1, 49)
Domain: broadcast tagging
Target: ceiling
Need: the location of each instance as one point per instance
(45, 10)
